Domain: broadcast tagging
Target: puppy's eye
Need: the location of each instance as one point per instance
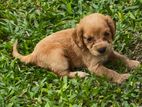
(89, 39)
(106, 33)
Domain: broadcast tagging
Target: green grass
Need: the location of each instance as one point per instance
(31, 20)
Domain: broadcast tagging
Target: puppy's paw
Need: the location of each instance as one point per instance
(133, 64)
(78, 73)
(122, 78)
(81, 74)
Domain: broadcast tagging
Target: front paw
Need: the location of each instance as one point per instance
(82, 74)
(121, 78)
(78, 73)
(133, 64)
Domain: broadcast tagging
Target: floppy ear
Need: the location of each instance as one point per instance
(111, 25)
(78, 37)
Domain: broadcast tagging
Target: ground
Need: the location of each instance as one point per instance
(31, 20)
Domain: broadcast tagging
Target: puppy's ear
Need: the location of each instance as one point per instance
(78, 37)
(111, 24)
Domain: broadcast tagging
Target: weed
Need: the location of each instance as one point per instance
(31, 20)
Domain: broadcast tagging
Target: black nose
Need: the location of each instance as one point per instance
(102, 50)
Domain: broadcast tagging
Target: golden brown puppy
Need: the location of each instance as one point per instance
(87, 45)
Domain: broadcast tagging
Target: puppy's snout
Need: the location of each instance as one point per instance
(102, 50)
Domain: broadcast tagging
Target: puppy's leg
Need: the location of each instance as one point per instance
(130, 63)
(100, 70)
(57, 61)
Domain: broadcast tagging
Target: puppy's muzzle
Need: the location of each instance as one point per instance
(102, 50)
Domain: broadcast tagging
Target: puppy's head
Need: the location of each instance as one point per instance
(95, 32)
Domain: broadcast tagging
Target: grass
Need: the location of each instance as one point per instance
(31, 20)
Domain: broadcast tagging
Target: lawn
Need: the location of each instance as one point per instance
(31, 20)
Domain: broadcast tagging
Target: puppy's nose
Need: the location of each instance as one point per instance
(102, 50)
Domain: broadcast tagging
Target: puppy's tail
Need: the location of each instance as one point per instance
(26, 59)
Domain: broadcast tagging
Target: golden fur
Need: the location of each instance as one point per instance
(87, 45)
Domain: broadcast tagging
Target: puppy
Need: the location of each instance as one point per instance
(87, 45)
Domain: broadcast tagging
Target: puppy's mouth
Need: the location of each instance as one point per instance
(100, 50)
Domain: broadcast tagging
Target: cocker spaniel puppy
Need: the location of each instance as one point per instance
(89, 44)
